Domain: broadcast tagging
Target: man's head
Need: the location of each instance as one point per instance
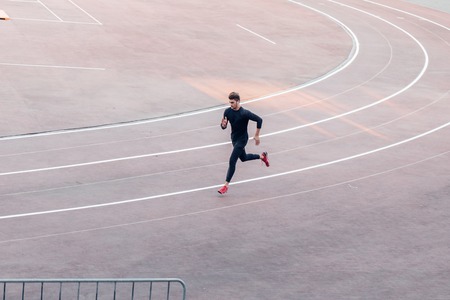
(234, 100)
(234, 96)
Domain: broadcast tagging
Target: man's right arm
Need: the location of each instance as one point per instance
(224, 122)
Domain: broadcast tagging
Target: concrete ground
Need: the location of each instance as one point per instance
(111, 151)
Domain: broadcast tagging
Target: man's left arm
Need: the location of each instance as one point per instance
(256, 137)
(259, 122)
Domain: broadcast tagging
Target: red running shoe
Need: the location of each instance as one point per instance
(264, 158)
(223, 190)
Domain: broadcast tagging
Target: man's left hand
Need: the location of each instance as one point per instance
(257, 141)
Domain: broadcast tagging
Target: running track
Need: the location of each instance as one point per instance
(111, 151)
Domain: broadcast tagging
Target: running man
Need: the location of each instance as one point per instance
(238, 118)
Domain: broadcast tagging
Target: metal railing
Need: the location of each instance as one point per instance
(98, 289)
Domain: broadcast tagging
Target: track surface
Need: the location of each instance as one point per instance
(111, 151)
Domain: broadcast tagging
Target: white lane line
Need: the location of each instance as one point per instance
(366, 129)
(56, 21)
(97, 21)
(228, 206)
(113, 142)
(258, 35)
(40, 2)
(345, 64)
(234, 183)
(408, 13)
(121, 179)
(113, 159)
(50, 66)
(349, 89)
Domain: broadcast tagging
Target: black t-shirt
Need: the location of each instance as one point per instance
(239, 122)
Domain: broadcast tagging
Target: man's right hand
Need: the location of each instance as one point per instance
(224, 123)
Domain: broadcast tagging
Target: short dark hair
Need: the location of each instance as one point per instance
(234, 96)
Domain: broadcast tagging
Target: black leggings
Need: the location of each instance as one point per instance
(238, 152)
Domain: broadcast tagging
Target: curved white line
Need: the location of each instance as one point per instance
(367, 129)
(234, 183)
(348, 61)
(220, 163)
(374, 103)
(51, 66)
(424, 68)
(212, 126)
(108, 181)
(57, 21)
(408, 13)
(113, 160)
(224, 207)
